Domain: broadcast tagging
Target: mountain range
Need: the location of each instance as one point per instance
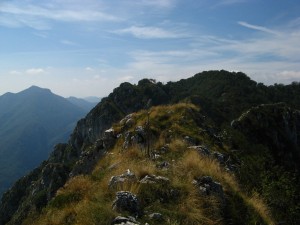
(216, 148)
(31, 123)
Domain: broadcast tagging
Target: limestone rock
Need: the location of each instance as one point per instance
(152, 179)
(116, 181)
(208, 186)
(120, 220)
(126, 201)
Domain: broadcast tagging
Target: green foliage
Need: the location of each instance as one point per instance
(261, 172)
(219, 96)
(281, 189)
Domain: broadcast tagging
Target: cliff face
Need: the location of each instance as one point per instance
(271, 157)
(124, 100)
(275, 126)
(278, 127)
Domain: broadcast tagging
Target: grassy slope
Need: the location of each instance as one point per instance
(88, 200)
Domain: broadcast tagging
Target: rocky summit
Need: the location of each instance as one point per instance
(216, 148)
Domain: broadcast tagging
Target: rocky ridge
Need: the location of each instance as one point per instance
(93, 140)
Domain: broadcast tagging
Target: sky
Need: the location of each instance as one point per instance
(88, 47)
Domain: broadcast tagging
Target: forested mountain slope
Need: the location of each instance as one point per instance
(31, 123)
(219, 146)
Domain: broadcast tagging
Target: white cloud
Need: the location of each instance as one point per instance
(259, 28)
(230, 2)
(222, 3)
(281, 47)
(9, 22)
(90, 69)
(158, 3)
(68, 42)
(35, 71)
(66, 14)
(289, 76)
(36, 16)
(41, 34)
(150, 32)
(294, 23)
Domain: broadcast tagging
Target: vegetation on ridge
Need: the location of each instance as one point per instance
(88, 199)
(262, 171)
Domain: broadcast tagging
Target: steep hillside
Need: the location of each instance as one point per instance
(184, 181)
(269, 137)
(192, 155)
(31, 123)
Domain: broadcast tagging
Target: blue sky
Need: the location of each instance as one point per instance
(87, 48)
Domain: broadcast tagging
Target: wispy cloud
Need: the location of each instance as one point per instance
(229, 2)
(221, 3)
(14, 72)
(150, 32)
(158, 3)
(89, 69)
(259, 28)
(294, 23)
(41, 34)
(283, 46)
(174, 56)
(68, 42)
(38, 16)
(266, 58)
(31, 71)
(35, 71)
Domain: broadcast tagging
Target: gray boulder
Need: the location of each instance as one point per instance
(120, 220)
(127, 177)
(152, 179)
(202, 150)
(126, 201)
(208, 186)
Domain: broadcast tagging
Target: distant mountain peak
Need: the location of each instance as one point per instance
(35, 90)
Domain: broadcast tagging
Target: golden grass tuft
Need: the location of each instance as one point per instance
(79, 184)
(261, 208)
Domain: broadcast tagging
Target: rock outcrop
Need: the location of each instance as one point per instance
(127, 202)
(207, 186)
(87, 144)
(118, 181)
(120, 220)
(278, 127)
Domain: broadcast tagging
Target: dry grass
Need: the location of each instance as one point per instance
(261, 208)
(192, 165)
(79, 184)
(95, 207)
